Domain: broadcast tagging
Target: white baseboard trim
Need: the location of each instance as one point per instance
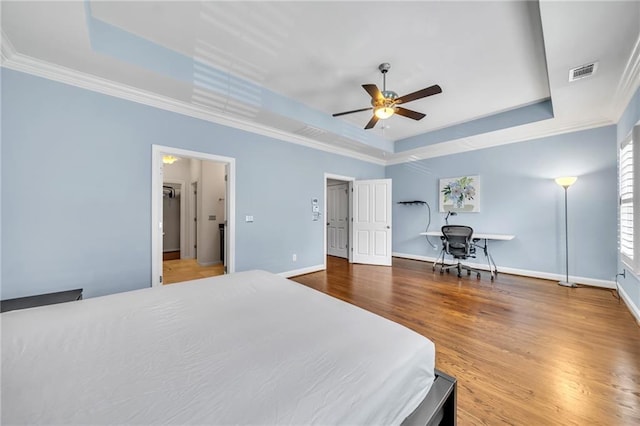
(630, 305)
(524, 272)
(302, 271)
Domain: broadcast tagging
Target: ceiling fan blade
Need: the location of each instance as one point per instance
(433, 90)
(351, 112)
(371, 122)
(373, 91)
(409, 113)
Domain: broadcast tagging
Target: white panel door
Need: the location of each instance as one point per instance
(372, 222)
(337, 220)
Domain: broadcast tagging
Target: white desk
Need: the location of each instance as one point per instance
(477, 236)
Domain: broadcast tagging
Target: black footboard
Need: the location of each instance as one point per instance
(439, 406)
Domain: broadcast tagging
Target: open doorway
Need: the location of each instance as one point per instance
(337, 218)
(203, 186)
(173, 218)
(337, 204)
(368, 228)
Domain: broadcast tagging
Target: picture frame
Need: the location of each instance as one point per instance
(459, 194)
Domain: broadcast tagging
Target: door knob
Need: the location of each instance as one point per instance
(388, 227)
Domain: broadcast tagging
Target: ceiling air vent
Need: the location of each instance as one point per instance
(582, 71)
(310, 132)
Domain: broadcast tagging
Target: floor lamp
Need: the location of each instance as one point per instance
(566, 182)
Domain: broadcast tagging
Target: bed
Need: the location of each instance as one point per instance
(246, 348)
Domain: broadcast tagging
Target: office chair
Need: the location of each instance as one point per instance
(458, 242)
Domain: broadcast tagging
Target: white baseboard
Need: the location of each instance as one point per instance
(295, 272)
(632, 307)
(524, 272)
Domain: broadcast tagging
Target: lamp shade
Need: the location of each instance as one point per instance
(566, 181)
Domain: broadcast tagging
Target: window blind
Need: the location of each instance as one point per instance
(627, 199)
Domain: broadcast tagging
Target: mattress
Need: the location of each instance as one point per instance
(245, 348)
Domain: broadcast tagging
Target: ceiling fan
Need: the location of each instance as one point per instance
(385, 103)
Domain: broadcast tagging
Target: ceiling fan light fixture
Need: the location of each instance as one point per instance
(384, 112)
(169, 159)
(389, 95)
(384, 103)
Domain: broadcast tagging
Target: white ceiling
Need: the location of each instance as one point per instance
(488, 57)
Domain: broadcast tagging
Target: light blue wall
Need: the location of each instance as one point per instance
(631, 115)
(520, 197)
(130, 48)
(538, 111)
(75, 205)
(76, 189)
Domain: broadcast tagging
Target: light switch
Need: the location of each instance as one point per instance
(248, 219)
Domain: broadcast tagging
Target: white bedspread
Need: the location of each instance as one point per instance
(246, 348)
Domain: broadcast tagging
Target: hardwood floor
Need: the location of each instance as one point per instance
(525, 351)
(177, 271)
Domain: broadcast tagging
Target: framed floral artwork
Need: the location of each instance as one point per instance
(460, 194)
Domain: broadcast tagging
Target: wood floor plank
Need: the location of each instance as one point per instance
(180, 270)
(525, 351)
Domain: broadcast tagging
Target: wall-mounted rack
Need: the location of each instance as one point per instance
(415, 202)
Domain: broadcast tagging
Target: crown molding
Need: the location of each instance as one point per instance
(23, 63)
(488, 140)
(7, 51)
(628, 83)
(629, 80)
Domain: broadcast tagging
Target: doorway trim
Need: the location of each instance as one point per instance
(157, 151)
(350, 180)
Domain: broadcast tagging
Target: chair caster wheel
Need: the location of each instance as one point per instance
(459, 275)
(478, 276)
(468, 273)
(441, 272)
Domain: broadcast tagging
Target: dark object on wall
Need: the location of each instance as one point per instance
(40, 300)
(419, 202)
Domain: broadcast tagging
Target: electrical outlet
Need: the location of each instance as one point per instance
(294, 257)
(248, 219)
